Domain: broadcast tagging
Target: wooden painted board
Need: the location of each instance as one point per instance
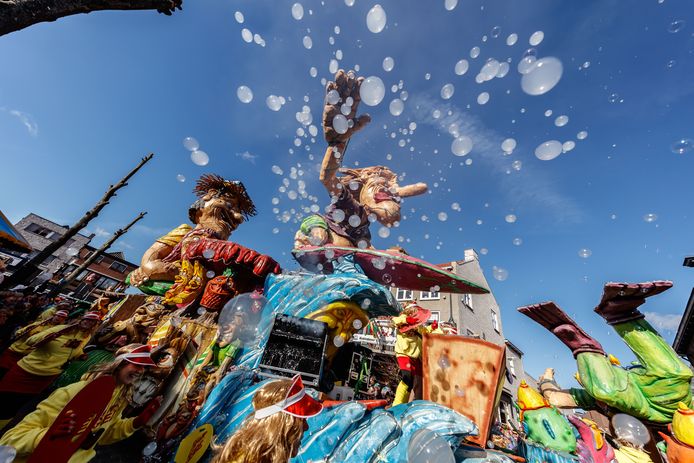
(88, 405)
(388, 268)
(466, 375)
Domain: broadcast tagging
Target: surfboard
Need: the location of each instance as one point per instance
(390, 268)
(88, 405)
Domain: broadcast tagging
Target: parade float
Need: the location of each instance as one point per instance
(223, 323)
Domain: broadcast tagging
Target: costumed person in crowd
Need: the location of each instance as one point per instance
(273, 433)
(649, 391)
(408, 350)
(359, 196)
(20, 348)
(52, 309)
(52, 350)
(110, 427)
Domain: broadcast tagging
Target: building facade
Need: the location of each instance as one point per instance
(107, 272)
(40, 232)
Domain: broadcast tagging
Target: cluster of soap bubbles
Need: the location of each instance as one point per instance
(199, 157)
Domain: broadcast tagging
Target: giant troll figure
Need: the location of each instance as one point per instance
(649, 391)
(359, 196)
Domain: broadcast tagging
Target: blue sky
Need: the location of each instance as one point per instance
(83, 98)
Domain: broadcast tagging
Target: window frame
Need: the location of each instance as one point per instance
(118, 264)
(405, 292)
(429, 295)
(495, 321)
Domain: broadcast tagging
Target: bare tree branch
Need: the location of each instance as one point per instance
(18, 14)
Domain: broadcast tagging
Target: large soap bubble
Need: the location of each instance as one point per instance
(542, 77)
(462, 145)
(242, 313)
(548, 150)
(244, 94)
(376, 19)
(630, 429)
(372, 91)
(426, 446)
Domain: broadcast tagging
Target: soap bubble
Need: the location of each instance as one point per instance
(517, 241)
(181, 178)
(244, 94)
(246, 35)
(548, 150)
(190, 143)
(462, 145)
(354, 220)
(199, 158)
(543, 76)
(372, 91)
(150, 448)
(474, 52)
(683, 145)
(357, 324)
(536, 38)
(508, 145)
(561, 121)
(512, 39)
(630, 429)
(339, 341)
(72, 252)
(650, 217)
(676, 26)
(340, 124)
(447, 91)
(208, 253)
(396, 107)
(297, 11)
(384, 232)
(379, 263)
(210, 274)
(510, 218)
(585, 253)
(273, 102)
(338, 215)
(388, 64)
(277, 170)
(503, 70)
(238, 16)
(307, 41)
(568, 146)
(442, 216)
(426, 446)
(483, 98)
(614, 98)
(499, 273)
(526, 64)
(444, 362)
(376, 19)
(450, 4)
(517, 165)
(461, 67)
(496, 31)
(582, 135)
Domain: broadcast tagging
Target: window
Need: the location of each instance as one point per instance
(118, 267)
(99, 259)
(404, 295)
(495, 321)
(48, 260)
(435, 316)
(467, 300)
(430, 295)
(42, 231)
(511, 366)
(105, 283)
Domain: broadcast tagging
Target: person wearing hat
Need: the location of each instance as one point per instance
(110, 427)
(19, 348)
(408, 349)
(272, 434)
(52, 350)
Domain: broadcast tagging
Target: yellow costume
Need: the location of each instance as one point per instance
(629, 455)
(20, 346)
(50, 358)
(25, 437)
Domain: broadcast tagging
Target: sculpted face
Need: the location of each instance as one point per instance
(224, 208)
(378, 197)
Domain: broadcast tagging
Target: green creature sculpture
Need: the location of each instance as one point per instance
(649, 391)
(543, 423)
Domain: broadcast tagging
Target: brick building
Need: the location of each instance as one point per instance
(107, 272)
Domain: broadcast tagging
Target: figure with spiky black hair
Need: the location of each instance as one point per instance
(186, 255)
